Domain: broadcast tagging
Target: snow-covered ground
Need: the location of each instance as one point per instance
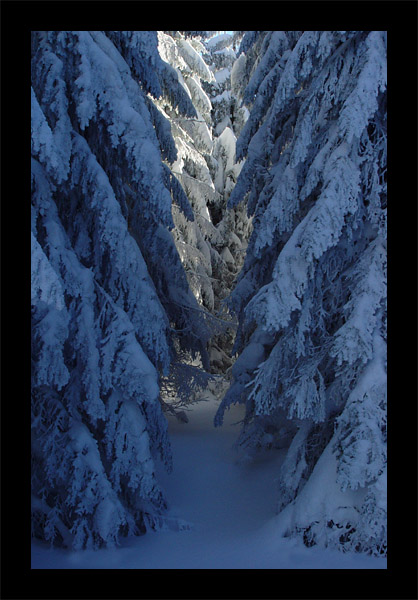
(229, 503)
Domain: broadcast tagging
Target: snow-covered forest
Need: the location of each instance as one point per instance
(208, 264)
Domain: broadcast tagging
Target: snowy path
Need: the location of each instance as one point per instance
(231, 507)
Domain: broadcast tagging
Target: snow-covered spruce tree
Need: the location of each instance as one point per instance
(204, 245)
(193, 139)
(108, 287)
(311, 297)
(232, 224)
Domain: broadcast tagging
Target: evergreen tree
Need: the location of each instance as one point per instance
(232, 224)
(109, 291)
(311, 297)
(206, 170)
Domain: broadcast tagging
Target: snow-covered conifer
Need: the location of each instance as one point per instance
(202, 244)
(311, 295)
(109, 291)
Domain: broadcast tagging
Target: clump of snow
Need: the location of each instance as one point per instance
(222, 75)
(219, 42)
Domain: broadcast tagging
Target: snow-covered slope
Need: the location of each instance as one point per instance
(229, 505)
